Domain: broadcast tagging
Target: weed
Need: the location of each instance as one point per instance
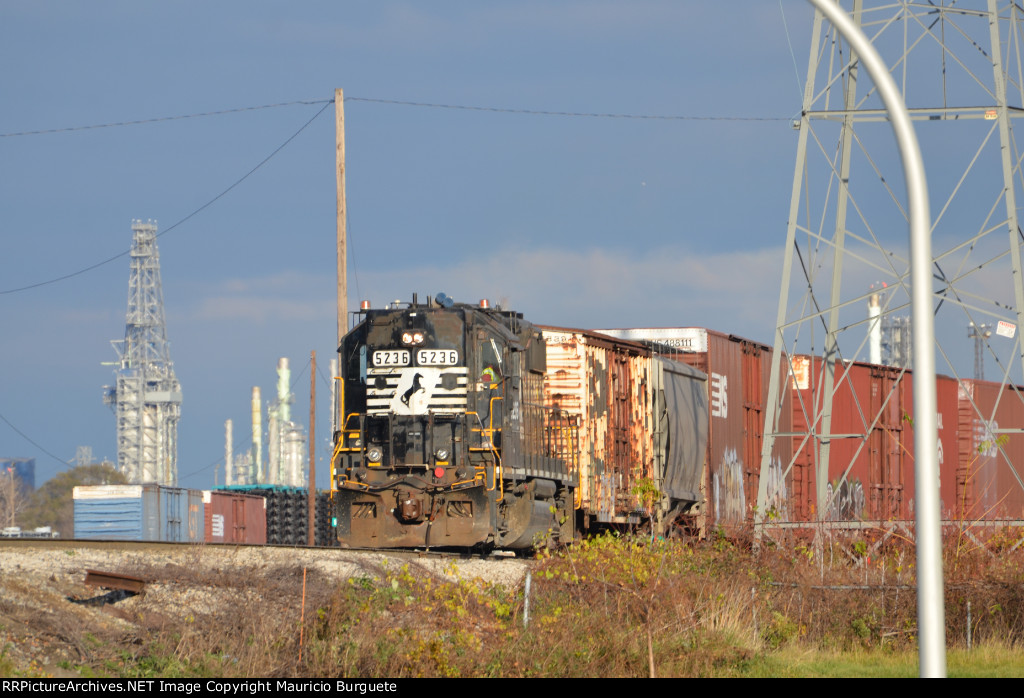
(611, 606)
(779, 631)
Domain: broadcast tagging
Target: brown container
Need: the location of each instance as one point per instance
(991, 452)
(232, 517)
(739, 372)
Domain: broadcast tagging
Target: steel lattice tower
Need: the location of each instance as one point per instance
(147, 396)
(960, 66)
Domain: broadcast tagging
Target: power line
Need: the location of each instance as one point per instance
(90, 127)
(404, 103)
(326, 103)
(542, 112)
(792, 53)
(23, 435)
(323, 379)
(175, 225)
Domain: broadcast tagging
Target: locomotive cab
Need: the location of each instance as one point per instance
(444, 439)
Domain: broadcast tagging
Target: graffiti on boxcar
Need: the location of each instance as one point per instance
(778, 497)
(986, 442)
(727, 485)
(847, 502)
(982, 469)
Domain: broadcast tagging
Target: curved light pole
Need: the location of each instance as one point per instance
(931, 623)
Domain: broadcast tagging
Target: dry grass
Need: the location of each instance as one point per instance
(609, 606)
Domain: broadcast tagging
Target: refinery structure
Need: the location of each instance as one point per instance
(146, 396)
(286, 442)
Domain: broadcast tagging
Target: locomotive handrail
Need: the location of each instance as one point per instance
(561, 435)
(490, 449)
(498, 479)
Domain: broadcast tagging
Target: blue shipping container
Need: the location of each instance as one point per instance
(139, 512)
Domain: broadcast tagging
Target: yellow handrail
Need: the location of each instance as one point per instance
(497, 456)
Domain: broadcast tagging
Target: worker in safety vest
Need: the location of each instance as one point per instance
(489, 377)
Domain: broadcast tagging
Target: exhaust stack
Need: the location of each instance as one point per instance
(257, 435)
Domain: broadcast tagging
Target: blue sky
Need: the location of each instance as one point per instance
(578, 221)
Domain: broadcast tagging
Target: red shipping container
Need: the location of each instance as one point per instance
(871, 447)
(991, 452)
(233, 517)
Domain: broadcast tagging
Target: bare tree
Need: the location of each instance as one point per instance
(13, 497)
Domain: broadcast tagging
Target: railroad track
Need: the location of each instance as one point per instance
(25, 544)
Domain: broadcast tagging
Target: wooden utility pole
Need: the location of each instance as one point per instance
(339, 137)
(312, 450)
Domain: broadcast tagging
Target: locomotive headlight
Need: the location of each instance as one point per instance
(374, 455)
(412, 338)
(441, 454)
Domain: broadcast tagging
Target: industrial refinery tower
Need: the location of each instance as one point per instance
(146, 398)
(286, 442)
(959, 67)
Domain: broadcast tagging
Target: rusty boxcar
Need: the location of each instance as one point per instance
(451, 436)
(643, 425)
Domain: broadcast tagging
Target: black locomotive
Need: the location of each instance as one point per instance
(445, 440)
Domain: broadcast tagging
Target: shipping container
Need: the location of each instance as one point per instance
(233, 517)
(138, 512)
(739, 372)
(990, 474)
(867, 444)
(870, 444)
(641, 424)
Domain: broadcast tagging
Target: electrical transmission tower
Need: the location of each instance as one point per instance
(146, 398)
(959, 66)
(979, 333)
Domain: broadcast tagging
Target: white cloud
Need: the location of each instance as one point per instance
(284, 296)
(733, 292)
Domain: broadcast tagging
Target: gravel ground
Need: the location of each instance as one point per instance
(42, 631)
